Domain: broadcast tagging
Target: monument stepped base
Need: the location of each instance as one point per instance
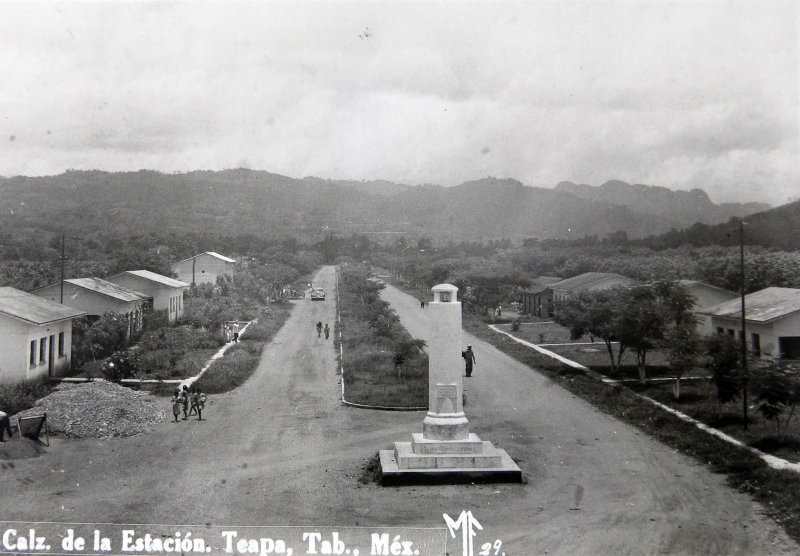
(423, 461)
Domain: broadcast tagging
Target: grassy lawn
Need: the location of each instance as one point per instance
(241, 360)
(778, 491)
(543, 332)
(698, 397)
(698, 400)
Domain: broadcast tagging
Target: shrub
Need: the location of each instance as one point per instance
(21, 396)
(96, 340)
(122, 364)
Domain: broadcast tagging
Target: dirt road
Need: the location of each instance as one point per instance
(282, 450)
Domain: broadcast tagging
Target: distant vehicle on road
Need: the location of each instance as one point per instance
(317, 294)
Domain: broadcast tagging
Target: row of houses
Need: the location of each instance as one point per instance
(36, 327)
(772, 315)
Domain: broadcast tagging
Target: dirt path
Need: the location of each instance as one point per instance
(282, 450)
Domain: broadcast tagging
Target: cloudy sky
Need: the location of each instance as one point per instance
(676, 93)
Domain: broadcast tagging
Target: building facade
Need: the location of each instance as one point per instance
(705, 296)
(545, 302)
(166, 292)
(531, 304)
(204, 268)
(772, 322)
(97, 297)
(35, 336)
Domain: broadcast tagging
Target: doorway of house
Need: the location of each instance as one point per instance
(51, 356)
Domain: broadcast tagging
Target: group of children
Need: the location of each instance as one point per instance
(189, 402)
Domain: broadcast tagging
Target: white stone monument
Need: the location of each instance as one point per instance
(445, 450)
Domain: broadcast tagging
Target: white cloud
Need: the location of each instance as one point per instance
(682, 94)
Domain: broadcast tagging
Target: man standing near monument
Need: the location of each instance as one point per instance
(469, 357)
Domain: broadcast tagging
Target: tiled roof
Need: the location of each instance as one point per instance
(153, 277)
(32, 308)
(761, 306)
(107, 288)
(587, 279)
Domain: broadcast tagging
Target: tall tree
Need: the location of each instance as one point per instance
(594, 313)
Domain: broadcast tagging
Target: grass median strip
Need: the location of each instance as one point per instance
(383, 366)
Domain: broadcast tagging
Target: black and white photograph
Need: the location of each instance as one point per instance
(401, 277)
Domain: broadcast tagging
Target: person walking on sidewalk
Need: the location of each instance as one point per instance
(327, 331)
(319, 329)
(236, 331)
(469, 358)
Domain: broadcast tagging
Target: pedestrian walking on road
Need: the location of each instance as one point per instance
(198, 403)
(319, 329)
(192, 404)
(177, 404)
(236, 331)
(327, 331)
(469, 358)
(421, 303)
(185, 401)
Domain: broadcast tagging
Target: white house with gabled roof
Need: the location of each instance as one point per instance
(166, 292)
(772, 321)
(97, 297)
(204, 268)
(705, 296)
(35, 336)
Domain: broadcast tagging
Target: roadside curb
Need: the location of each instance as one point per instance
(773, 462)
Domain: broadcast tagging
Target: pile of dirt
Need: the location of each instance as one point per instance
(98, 410)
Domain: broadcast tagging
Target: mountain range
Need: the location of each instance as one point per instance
(232, 202)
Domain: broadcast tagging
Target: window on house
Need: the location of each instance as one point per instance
(61, 344)
(730, 332)
(43, 350)
(755, 340)
(33, 352)
(720, 330)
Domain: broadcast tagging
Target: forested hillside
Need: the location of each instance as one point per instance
(272, 206)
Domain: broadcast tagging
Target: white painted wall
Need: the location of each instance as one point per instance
(165, 298)
(206, 269)
(15, 339)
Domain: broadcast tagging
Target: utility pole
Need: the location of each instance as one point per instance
(745, 373)
(76, 238)
(63, 240)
